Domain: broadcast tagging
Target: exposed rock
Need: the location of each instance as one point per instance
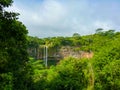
(70, 52)
(59, 53)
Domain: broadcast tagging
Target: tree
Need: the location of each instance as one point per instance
(76, 35)
(13, 50)
(110, 33)
(70, 74)
(99, 31)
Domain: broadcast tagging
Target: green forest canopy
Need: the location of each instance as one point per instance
(100, 72)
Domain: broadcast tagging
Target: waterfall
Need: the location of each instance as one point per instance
(45, 55)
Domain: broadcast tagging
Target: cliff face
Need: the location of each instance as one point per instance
(59, 53)
(72, 52)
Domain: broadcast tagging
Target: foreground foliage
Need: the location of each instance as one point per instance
(14, 71)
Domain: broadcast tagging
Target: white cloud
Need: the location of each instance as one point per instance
(105, 25)
(65, 17)
(48, 13)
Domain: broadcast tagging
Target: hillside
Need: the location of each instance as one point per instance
(76, 46)
(101, 71)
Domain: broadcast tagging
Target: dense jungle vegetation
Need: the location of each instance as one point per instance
(19, 71)
(99, 72)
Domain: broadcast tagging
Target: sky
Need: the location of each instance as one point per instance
(49, 18)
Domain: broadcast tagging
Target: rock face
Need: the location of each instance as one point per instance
(71, 52)
(59, 53)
